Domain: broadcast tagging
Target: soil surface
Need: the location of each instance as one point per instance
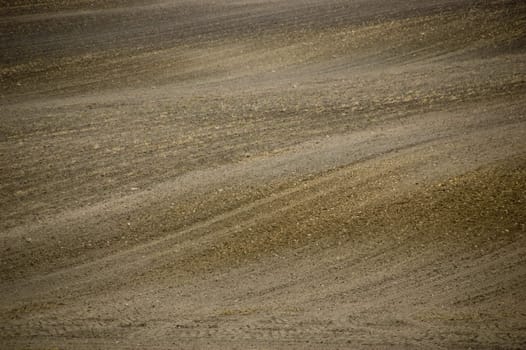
(262, 174)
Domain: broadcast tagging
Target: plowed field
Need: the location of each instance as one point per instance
(262, 174)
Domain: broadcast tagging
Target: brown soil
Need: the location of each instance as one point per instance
(262, 174)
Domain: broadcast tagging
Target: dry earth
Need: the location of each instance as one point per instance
(262, 174)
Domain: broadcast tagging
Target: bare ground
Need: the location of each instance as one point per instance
(262, 174)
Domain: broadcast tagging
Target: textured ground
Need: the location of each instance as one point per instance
(262, 174)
